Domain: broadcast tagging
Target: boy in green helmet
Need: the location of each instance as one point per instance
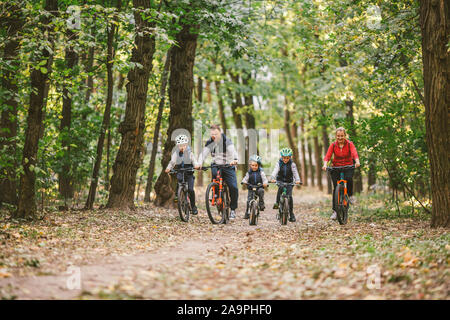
(286, 171)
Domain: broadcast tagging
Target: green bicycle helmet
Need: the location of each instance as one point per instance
(256, 158)
(286, 152)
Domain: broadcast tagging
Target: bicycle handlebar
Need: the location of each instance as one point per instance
(173, 171)
(217, 166)
(340, 168)
(253, 185)
(284, 184)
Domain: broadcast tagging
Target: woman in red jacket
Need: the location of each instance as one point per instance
(344, 153)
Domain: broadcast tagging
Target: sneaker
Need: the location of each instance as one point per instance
(232, 215)
(261, 207)
(352, 200)
(194, 210)
(333, 215)
(247, 215)
(275, 206)
(292, 217)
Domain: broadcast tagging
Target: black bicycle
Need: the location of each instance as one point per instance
(283, 209)
(253, 204)
(184, 203)
(341, 198)
(217, 195)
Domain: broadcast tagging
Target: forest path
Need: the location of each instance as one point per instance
(312, 258)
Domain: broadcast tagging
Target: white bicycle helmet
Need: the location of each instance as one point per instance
(181, 139)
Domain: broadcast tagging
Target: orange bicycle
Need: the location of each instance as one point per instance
(341, 198)
(218, 196)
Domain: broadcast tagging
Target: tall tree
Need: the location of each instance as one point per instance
(288, 128)
(162, 101)
(223, 120)
(181, 84)
(303, 147)
(65, 177)
(326, 144)
(318, 159)
(435, 27)
(110, 53)
(129, 156)
(199, 179)
(9, 103)
(40, 71)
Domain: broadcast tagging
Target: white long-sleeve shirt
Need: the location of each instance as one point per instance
(295, 174)
(222, 151)
(176, 159)
(263, 178)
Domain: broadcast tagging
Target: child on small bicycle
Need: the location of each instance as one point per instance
(255, 176)
(183, 157)
(286, 171)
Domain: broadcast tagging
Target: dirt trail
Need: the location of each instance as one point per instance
(312, 258)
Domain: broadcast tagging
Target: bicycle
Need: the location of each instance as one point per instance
(341, 198)
(217, 195)
(283, 209)
(184, 204)
(253, 204)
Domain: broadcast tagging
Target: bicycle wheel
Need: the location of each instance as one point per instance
(253, 221)
(284, 212)
(341, 211)
(225, 204)
(215, 212)
(183, 205)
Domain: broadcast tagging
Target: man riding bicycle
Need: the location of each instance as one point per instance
(344, 153)
(222, 152)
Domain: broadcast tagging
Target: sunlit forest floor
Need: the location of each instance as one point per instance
(151, 254)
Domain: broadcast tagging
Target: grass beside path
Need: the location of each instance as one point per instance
(151, 254)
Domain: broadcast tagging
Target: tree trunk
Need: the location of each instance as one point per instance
(357, 177)
(107, 113)
(129, 156)
(372, 175)
(27, 198)
(326, 144)
(65, 179)
(311, 166)
(181, 84)
(435, 26)
(199, 179)
(9, 104)
(223, 120)
(162, 101)
(288, 131)
(303, 147)
(318, 159)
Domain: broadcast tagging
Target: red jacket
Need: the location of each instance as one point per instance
(342, 157)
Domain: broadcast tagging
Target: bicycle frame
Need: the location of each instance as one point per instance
(219, 180)
(341, 181)
(183, 184)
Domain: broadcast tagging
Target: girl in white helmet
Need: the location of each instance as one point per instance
(182, 157)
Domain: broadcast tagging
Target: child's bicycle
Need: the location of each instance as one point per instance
(184, 204)
(217, 195)
(283, 209)
(253, 204)
(342, 201)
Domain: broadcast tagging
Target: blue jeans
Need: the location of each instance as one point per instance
(229, 176)
(348, 175)
(289, 194)
(251, 195)
(189, 178)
